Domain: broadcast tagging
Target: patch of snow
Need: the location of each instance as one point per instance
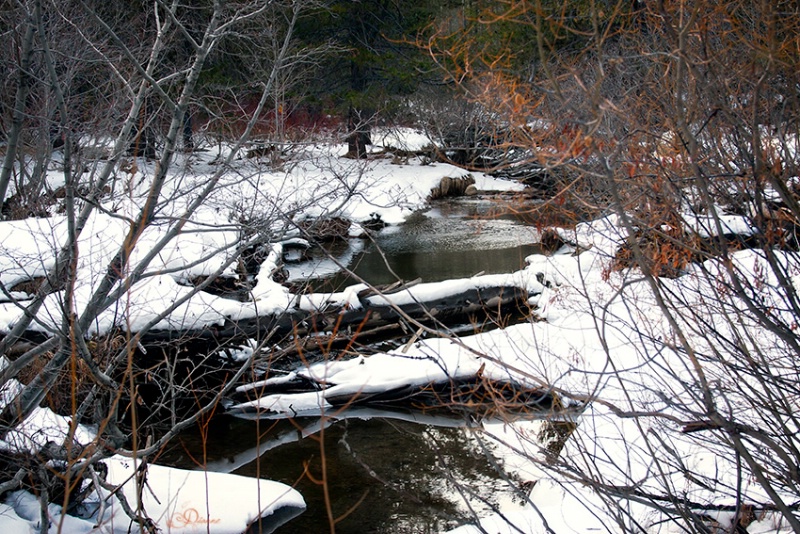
(407, 139)
(176, 499)
(706, 226)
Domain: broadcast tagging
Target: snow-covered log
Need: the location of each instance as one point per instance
(376, 315)
(451, 380)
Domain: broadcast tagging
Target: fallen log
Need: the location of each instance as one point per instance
(380, 316)
(373, 321)
(476, 395)
(446, 381)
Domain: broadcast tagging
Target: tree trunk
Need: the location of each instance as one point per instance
(358, 135)
(188, 141)
(357, 125)
(144, 140)
(19, 110)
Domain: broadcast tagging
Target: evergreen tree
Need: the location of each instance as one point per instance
(379, 61)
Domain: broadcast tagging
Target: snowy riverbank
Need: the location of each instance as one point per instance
(647, 356)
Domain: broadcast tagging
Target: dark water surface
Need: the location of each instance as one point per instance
(383, 475)
(454, 239)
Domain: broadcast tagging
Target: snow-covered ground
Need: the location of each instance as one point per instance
(594, 345)
(251, 194)
(317, 182)
(604, 337)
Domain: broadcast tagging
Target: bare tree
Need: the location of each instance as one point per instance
(680, 121)
(65, 49)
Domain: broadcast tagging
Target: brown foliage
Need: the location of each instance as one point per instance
(655, 252)
(645, 107)
(75, 381)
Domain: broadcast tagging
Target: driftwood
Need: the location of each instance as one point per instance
(346, 384)
(304, 333)
(475, 395)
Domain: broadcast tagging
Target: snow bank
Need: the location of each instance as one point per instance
(176, 500)
(317, 183)
(606, 338)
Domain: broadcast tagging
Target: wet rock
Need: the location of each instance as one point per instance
(296, 251)
(452, 187)
(374, 224)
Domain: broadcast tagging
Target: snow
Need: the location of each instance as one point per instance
(648, 376)
(270, 296)
(603, 337)
(364, 375)
(590, 346)
(705, 225)
(26, 248)
(176, 500)
(318, 183)
(401, 138)
(551, 508)
(197, 501)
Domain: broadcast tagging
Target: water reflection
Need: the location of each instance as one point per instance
(386, 472)
(451, 240)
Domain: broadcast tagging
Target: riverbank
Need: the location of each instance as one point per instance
(671, 370)
(167, 295)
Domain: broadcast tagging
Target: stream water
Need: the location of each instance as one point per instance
(382, 474)
(453, 239)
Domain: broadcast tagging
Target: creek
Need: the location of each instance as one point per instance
(453, 239)
(384, 472)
